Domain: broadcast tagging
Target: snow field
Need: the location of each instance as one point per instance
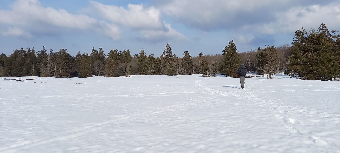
(169, 114)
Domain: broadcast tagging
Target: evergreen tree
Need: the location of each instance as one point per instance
(142, 63)
(214, 68)
(94, 57)
(158, 66)
(64, 64)
(3, 69)
(27, 67)
(151, 65)
(31, 60)
(51, 66)
(187, 63)
(16, 62)
(261, 61)
(168, 61)
(42, 63)
(336, 52)
(231, 60)
(204, 66)
(112, 63)
(283, 55)
(77, 61)
(84, 66)
(328, 63)
(133, 65)
(125, 60)
(98, 62)
(271, 65)
(176, 65)
(250, 63)
(196, 65)
(314, 55)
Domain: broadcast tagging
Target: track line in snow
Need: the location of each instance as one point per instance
(62, 136)
(77, 132)
(285, 113)
(206, 118)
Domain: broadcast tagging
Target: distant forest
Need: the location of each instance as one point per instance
(313, 55)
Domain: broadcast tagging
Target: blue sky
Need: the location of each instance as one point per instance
(193, 25)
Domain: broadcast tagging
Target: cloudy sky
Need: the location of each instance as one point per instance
(194, 25)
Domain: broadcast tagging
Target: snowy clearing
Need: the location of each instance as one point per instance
(169, 114)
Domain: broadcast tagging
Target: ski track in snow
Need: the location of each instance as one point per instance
(303, 126)
(189, 114)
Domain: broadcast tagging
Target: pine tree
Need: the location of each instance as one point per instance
(187, 63)
(158, 66)
(214, 68)
(272, 66)
(142, 63)
(133, 65)
(251, 61)
(16, 62)
(3, 69)
(314, 54)
(336, 52)
(112, 62)
(42, 62)
(125, 60)
(52, 66)
(27, 67)
(261, 61)
(168, 61)
(84, 66)
(151, 65)
(64, 64)
(30, 64)
(98, 62)
(231, 60)
(94, 57)
(196, 64)
(267, 61)
(176, 65)
(77, 61)
(328, 65)
(204, 66)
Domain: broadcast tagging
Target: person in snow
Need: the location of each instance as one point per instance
(242, 71)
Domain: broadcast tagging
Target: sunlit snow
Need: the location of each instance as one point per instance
(169, 114)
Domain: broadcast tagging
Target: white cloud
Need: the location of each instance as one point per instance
(12, 31)
(221, 14)
(15, 31)
(244, 39)
(39, 19)
(146, 21)
(160, 34)
(262, 16)
(309, 17)
(135, 16)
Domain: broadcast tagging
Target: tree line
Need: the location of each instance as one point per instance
(312, 55)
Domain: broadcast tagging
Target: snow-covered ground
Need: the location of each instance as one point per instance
(169, 114)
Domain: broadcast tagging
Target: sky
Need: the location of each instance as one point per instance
(187, 25)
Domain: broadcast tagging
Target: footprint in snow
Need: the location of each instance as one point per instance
(318, 141)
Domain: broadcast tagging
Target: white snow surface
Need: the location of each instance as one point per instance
(169, 114)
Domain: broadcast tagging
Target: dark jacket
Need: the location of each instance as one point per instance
(242, 71)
